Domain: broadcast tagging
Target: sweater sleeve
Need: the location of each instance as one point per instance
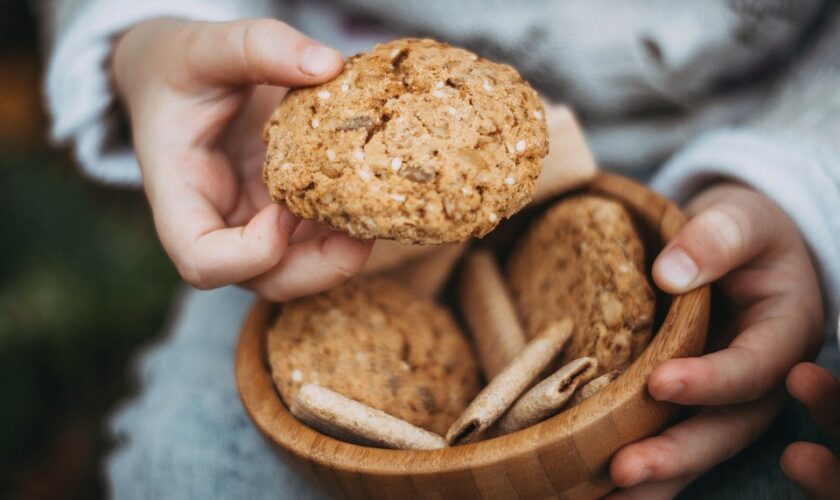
(790, 151)
(79, 94)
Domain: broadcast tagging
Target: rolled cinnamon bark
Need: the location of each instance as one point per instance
(355, 422)
(549, 396)
(593, 387)
(508, 385)
(489, 313)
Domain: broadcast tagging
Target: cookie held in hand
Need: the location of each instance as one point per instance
(415, 141)
(373, 341)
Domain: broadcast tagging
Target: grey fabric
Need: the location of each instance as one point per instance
(186, 434)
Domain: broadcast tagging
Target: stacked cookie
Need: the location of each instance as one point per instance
(423, 143)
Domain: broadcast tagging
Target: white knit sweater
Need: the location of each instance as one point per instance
(748, 90)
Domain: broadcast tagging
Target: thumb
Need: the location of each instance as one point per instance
(720, 238)
(256, 52)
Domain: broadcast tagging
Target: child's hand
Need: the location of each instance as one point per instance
(197, 97)
(744, 241)
(815, 469)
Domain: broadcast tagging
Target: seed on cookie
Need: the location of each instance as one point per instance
(324, 95)
(520, 146)
(364, 174)
(396, 163)
(398, 197)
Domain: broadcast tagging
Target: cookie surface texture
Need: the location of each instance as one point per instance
(415, 141)
(583, 258)
(373, 341)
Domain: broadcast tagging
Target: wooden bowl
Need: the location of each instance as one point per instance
(565, 456)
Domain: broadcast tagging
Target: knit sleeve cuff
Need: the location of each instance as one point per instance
(79, 94)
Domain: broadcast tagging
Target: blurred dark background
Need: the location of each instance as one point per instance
(83, 283)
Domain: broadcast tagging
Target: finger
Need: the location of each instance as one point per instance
(694, 445)
(715, 241)
(188, 207)
(653, 491)
(208, 254)
(312, 266)
(753, 363)
(813, 468)
(257, 51)
(819, 391)
(310, 230)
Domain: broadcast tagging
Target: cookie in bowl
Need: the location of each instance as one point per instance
(374, 342)
(583, 258)
(415, 141)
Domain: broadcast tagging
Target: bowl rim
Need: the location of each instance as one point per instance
(272, 418)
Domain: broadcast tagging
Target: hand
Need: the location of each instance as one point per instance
(742, 239)
(815, 469)
(197, 95)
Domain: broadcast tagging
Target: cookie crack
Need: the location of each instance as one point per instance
(376, 127)
(396, 62)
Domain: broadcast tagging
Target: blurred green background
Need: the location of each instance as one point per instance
(83, 283)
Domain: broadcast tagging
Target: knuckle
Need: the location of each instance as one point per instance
(256, 40)
(661, 455)
(757, 382)
(722, 231)
(192, 275)
(266, 253)
(344, 270)
(345, 262)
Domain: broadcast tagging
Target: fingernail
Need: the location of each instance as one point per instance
(641, 477)
(670, 392)
(677, 268)
(317, 59)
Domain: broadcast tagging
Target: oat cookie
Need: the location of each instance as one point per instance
(583, 258)
(415, 141)
(373, 341)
